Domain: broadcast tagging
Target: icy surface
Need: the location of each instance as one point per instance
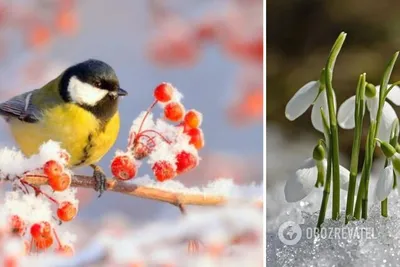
(374, 242)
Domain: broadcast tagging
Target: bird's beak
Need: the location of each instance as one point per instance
(122, 92)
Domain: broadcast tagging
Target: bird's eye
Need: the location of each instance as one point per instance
(97, 84)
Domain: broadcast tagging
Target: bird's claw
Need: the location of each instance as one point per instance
(100, 178)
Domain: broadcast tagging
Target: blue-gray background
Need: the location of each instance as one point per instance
(117, 32)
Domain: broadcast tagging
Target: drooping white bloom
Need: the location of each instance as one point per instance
(303, 182)
(385, 183)
(306, 96)
(347, 110)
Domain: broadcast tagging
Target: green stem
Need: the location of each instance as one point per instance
(393, 141)
(384, 203)
(364, 174)
(325, 196)
(357, 209)
(384, 207)
(320, 175)
(363, 190)
(370, 155)
(327, 185)
(333, 124)
(359, 116)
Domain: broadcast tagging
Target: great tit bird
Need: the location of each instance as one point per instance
(79, 109)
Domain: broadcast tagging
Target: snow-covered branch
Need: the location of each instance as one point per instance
(134, 189)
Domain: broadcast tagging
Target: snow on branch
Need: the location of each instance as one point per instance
(216, 193)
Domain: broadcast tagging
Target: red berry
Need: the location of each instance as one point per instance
(66, 211)
(193, 118)
(163, 170)
(61, 182)
(44, 242)
(65, 250)
(196, 138)
(10, 261)
(174, 111)
(164, 92)
(18, 225)
(40, 230)
(184, 126)
(123, 168)
(140, 150)
(185, 161)
(52, 169)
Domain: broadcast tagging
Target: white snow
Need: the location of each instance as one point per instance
(13, 163)
(147, 124)
(221, 187)
(375, 242)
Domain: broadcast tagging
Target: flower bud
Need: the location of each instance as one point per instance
(370, 90)
(319, 152)
(397, 148)
(387, 149)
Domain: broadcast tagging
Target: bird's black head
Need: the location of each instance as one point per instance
(93, 85)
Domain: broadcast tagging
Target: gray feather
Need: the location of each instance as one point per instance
(21, 107)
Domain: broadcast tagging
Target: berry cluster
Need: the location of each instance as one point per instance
(171, 149)
(34, 212)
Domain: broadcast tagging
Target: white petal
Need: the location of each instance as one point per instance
(302, 100)
(372, 105)
(344, 178)
(316, 117)
(385, 183)
(394, 95)
(299, 186)
(346, 113)
(387, 120)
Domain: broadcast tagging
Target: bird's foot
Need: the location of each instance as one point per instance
(100, 178)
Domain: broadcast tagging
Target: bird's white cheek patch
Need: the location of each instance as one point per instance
(84, 93)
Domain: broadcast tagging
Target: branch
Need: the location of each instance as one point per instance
(174, 198)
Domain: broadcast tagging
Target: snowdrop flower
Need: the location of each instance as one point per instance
(386, 179)
(385, 183)
(305, 178)
(347, 110)
(312, 93)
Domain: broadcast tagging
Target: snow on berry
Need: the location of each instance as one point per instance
(124, 167)
(196, 138)
(185, 161)
(52, 169)
(164, 170)
(28, 207)
(174, 111)
(17, 225)
(66, 211)
(43, 243)
(13, 163)
(164, 92)
(164, 144)
(193, 118)
(60, 183)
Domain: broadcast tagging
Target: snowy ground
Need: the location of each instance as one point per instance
(375, 242)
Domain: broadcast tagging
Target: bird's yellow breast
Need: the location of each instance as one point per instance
(78, 131)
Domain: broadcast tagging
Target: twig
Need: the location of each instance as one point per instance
(174, 198)
(182, 208)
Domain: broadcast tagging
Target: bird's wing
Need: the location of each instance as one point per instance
(21, 107)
